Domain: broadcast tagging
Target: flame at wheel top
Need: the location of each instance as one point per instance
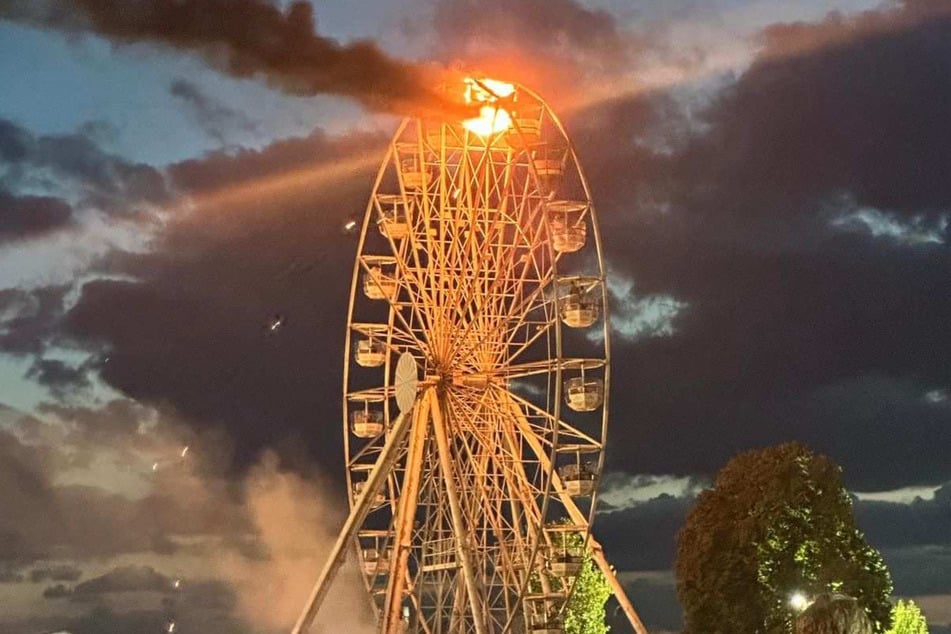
(492, 119)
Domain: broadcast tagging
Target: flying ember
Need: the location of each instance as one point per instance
(492, 119)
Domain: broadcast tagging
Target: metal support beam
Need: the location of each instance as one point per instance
(597, 553)
(384, 464)
(458, 521)
(576, 516)
(403, 537)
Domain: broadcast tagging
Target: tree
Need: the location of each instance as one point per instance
(778, 521)
(585, 612)
(907, 619)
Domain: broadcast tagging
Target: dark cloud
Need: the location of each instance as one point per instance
(23, 217)
(920, 523)
(61, 572)
(543, 26)
(845, 107)
(125, 579)
(57, 591)
(548, 45)
(655, 599)
(74, 167)
(42, 519)
(115, 422)
(264, 239)
(29, 319)
(794, 329)
(59, 377)
(103, 620)
(920, 570)
(217, 119)
(8, 574)
(642, 537)
(248, 39)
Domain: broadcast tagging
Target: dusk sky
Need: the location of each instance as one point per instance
(773, 182)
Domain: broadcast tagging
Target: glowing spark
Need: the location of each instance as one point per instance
(185, 451)
(275, 323)
(350, 226)
(171, 627)
(492, 119)
(154, 466)
(177, 584)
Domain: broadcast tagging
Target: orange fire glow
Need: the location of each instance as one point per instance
(492, 119)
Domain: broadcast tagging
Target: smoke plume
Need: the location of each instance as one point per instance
(293, 522)
(248, 39)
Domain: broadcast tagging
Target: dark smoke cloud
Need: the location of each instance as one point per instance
(217, 119)
(549, 45)
(542, 25)
(247, 39)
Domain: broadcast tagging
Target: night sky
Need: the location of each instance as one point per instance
(774, 187)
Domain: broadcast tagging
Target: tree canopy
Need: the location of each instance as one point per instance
(585, 612)
(908, 619)
(778, 521)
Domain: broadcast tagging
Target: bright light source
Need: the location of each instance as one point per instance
(798, 601)
(491, 119)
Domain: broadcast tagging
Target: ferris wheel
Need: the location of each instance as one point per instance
(476, 376)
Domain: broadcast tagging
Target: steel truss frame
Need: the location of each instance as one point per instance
(454, 505)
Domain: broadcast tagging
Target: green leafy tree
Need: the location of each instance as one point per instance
(777, 521)
(908, 619)
(585, 612)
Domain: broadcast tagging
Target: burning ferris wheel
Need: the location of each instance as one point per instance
(476, 376)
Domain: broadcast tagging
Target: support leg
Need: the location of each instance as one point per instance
(458, 521)
(576, 516)
(403, 536)
(384, 464)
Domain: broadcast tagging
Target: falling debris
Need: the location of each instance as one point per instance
(350, 226)
(185, 451)
(155, 466)
(275, 323)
